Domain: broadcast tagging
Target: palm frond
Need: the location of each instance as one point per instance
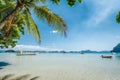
(34, 78)
(6, 77)
(15, 31)
(71, 2)
(52, 19)
(27, 21)
(56, 1)
(31, 26)
(34, 29)
(31, 3)
(40, 1)
(118, 17)
(5, 9)
(23, 77)
(7, 5)
(80, 1)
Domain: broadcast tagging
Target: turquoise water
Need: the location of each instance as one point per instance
(63, 66)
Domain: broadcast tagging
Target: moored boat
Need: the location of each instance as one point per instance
(25, 54)
(106, 56)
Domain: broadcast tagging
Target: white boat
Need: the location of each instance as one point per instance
(21, 52)
(24, 54)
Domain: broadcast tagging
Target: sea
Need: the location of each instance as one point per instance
(61, 66)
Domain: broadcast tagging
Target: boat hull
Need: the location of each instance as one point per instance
(106, 56)
(26, 54)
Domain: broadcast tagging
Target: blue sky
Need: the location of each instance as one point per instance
(90, 25)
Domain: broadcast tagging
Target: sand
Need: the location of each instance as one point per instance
(63, 66)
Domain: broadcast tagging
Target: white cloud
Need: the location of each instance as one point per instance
(102, 10)
(99, 17)
(32, 48)
(54, 32)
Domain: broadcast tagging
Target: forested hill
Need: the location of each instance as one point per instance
(116, 48)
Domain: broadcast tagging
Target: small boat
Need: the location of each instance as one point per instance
(26, 54)
(106, 56)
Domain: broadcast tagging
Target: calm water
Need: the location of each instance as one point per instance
(63, 66)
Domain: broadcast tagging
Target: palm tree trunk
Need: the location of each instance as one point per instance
(11, 14)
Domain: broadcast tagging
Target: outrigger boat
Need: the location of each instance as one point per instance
(31, 54)
(25, 54)
(106, 56)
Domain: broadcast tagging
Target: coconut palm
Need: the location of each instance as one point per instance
(11, 9)
(118, 17)
(17, 14)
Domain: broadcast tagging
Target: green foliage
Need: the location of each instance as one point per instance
(52, 19)
(5, 8)
(32, 27)
(56, 1)
(80, 1)
(71, 2)
(18, 15)
(118, 17)
(10, 38)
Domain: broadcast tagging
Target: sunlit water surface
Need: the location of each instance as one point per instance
(63, 66)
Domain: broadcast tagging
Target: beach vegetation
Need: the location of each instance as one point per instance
(16, 15)
(118, 17)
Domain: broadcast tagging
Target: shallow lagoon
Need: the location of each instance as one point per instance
(63, 66)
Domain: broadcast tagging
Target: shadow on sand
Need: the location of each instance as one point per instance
(2, 64)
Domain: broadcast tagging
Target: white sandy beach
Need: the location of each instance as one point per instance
(63, 66)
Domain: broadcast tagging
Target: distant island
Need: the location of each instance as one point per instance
(116, 48)
(62, 51)
(9, 51)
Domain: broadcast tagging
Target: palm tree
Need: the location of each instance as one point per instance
(118, 17)
(17, 14)
(12, 9)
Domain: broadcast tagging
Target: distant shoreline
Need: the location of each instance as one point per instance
(65, 52)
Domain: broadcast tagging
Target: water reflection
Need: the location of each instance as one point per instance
(117, 57)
